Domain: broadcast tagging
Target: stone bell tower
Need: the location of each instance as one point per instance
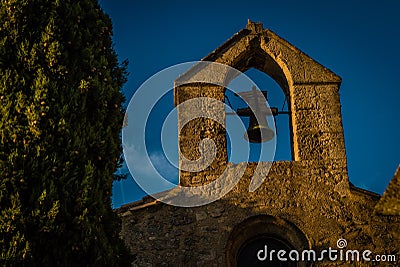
(313, 96)
(304, 204)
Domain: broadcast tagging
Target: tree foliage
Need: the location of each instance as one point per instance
(60, 121)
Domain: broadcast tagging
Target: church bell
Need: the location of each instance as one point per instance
(258, 131)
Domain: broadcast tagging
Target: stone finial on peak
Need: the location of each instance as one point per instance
(255, 27)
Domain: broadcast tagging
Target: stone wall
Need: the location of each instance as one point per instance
(201, 128)
(304, 193)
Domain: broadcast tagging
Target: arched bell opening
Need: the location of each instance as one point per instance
(274, 124)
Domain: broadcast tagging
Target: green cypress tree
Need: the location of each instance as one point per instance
(60, 122)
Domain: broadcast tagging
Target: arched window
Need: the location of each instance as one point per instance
(252, 241)
(257, 252)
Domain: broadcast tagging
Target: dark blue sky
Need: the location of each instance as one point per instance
(358, 40)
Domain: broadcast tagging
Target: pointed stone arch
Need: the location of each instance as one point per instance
(312, 91)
